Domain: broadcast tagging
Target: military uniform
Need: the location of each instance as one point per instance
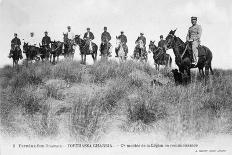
(123, 40)
(15, 45)
(46, 41)
(161, 43)
(141, 38)
(88, 36)
(32, 41)
(194, 35)
(105, 37)
(138, 47)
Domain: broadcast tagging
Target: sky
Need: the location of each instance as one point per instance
(152, 17)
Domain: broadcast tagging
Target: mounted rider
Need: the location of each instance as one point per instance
(193, 37)
(140, 43)
(105, 39)
(70, 37)
(88, 37)
(46, 41)
(31, 40)
(161, 45)
(15, 46)
(123, 40)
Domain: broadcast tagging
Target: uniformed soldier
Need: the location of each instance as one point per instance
(46, 40)
(15, 45)
(70, 34)
(193, 36)
(161, 43)
(138, 41)
(142, 38)
(105, 38)
(123, 40)
(31, 40)
(88, 36)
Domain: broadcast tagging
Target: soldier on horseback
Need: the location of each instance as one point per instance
(31, 40)
(140, 45)
(193, 37)
(105, 40)
(161, 45)
(123, 41)
(15, 46)
(88, 37)
(68, 42)
(46, 41)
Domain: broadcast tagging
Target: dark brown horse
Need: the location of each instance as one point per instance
(160, 57)
(56, 50)
(68, 46)
(140, 52)
(44, 52)
(32, 52)
(105, 50)
(16, 54)
(84, 49)
(183, 56)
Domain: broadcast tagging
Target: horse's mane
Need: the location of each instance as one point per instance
(179, 42)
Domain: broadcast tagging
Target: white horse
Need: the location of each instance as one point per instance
(121, 52)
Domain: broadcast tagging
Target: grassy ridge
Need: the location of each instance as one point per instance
(85, 102)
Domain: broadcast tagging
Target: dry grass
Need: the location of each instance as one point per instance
(40, 100)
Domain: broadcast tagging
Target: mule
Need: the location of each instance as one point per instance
(121, 50)
(44, 52)
(56, 51)
(140, 52)
(15, 54)
(31, 52)
(105, 50)
(85, 50)
(68, 46)
(160, 57)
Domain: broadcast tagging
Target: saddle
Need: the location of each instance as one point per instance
(201, 50)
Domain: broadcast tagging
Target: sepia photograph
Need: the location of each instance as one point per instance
(115, 77)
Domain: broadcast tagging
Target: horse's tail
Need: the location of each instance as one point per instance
(170, 61)
(210, 67)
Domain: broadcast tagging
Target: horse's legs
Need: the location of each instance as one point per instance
(211, 70)
(85, 59)
(82, 58)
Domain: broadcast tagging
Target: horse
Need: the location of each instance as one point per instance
(140, 52)
(15, 54)
(56, 50)
(85, 50)
(68, 46)
(32, 52)
(105, 50)
(121, 50)
(44, 52)
(160, 57)
(183, 56)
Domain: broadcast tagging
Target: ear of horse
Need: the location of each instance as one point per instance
(174, 31)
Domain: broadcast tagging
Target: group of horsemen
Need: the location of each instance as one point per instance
(193, 37)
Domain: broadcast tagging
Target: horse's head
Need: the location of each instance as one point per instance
(25, 47)
(152, 46)
(77, 39)
(170, 39)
